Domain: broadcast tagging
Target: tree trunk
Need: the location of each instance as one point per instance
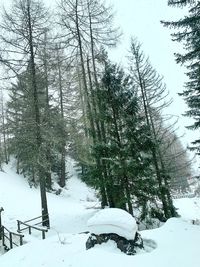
(47, 111)
(45, 216)
(63, 143)
(153, 150)
(89, 108)
(4, 134)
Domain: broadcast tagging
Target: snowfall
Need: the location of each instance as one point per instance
(174, 244)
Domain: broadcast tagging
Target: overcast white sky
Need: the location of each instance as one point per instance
(141, 19)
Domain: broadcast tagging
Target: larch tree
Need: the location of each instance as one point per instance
(21, 32)
(65, 95)
(153, 93)
(50, 67)
(177, 161)
(87, 25)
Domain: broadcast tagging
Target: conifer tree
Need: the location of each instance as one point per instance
(152, 92)
(87, 25)
(125, 150)
(21, 32)
(187, 32)
(21, 126)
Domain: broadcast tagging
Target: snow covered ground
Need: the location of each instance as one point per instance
(175, 244)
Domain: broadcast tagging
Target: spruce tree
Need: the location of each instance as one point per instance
(125, 150)
(187, 32)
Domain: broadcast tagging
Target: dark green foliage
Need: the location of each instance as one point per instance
(22, 129)
(180, 3)
(125, 150)
(188, 33)
(21, 125)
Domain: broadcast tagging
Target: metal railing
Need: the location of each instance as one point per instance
(31, 226)
(1, 209)
(9, 236)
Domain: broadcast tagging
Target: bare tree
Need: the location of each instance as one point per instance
(21, 32)
(153, 99)
(87, 25)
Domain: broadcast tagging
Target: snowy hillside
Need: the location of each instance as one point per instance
(175, 244)
(22, 202)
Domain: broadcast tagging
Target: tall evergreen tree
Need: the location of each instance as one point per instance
(187, 32)
(126, 147)
(21, 127)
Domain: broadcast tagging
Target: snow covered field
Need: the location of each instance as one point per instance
(175, 244)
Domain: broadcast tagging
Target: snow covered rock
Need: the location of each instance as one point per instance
(113, 221)
(117, 225)
(127, 246)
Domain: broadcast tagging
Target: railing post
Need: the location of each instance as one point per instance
(43, 234)
(10, 238)
(21, 240)
(18, 226)
(3, 237)
(29, 230)
(1, 209)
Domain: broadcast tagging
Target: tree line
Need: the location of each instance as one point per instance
(67, 98)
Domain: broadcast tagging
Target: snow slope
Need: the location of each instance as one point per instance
(69, 211)
(175, 244)
(188, 208)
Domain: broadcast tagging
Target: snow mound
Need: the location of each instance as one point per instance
(188, 208)
(114, 221)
